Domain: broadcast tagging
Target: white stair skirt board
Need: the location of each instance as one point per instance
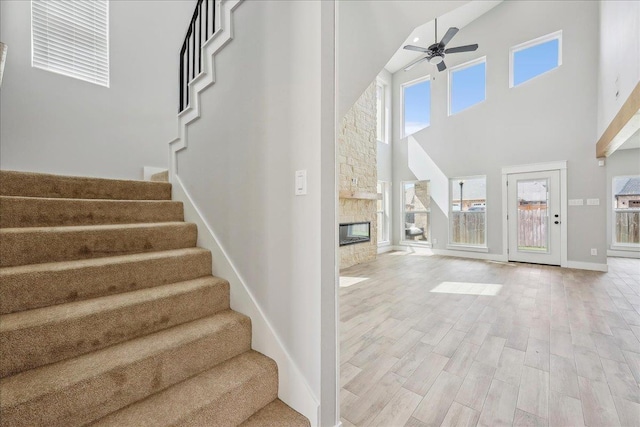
(207, 77)
(293, 389)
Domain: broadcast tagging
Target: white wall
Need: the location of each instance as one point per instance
(620, 163)
(550, 118)
(57, 124)
(368, 34)
(619, 61)
(261, 121)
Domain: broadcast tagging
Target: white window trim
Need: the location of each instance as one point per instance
(531, 43)
(385, 214)
(383, 103)
(402, 88)
(630, 247)
(105, 83)
(482, 59)
(463, 246)
(403, 241)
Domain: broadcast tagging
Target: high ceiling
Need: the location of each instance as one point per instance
(459, 17)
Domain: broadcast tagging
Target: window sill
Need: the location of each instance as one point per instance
(419, 244)
(484, 249)
(630, 248)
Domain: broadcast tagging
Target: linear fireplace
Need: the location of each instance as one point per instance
(355, 232)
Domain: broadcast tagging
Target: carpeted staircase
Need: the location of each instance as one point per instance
(109, 314)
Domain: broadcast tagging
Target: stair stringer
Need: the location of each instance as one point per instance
(220, 38)
(293, 389)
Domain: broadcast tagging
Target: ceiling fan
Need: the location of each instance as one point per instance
(435, 52)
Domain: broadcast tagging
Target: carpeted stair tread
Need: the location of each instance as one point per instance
(86, 388)
(34, 245)
(51, 212)
(28, 184)
(222, 396)
(38, 337)
(39, 285)
(276, 414)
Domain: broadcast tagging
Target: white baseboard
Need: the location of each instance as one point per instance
(385, 248)
(293, 388)
(623, 254)
(587, 266)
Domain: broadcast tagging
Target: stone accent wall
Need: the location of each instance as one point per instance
(357, 148)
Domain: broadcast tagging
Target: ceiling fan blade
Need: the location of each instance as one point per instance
(448, 36)
(458, 49)
(416, 48)
(442, 66)
(416, 62)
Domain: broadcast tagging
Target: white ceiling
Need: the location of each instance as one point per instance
(459, 17)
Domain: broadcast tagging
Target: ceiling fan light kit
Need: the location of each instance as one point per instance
(436, 52)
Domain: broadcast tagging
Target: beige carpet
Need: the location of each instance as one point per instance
(109, 314)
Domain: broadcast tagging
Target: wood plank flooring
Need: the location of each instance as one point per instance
(426, 342)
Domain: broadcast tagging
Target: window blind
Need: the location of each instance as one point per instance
(71, 37)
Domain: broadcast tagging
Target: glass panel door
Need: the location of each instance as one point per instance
(533, 215)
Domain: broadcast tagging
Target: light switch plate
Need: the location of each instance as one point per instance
(576, 202)
(301, 182)
(593, 202)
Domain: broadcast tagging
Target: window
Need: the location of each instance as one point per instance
(71, 38)
(468, 211)
(383, 212)
(535, 57)
(467, 85)
(381, 125)
(626, 211)
(416, 106)
(416, 210)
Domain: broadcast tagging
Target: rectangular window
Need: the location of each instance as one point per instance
(416, 106)
(467, 85)
(416, 211)
(71, 38)
(383, 212)
(626, 211)
(467, 217)
(380, 113)
(535, 57)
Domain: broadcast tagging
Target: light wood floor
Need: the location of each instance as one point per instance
(550, 346)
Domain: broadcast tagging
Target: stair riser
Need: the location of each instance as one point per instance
(28, 348)
(34, 246)
(27, 289)
(81, 403)
(42, 185)
(238, 404)
(36, 212)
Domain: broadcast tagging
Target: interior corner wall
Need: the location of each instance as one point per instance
(620, 163)
(619, 57)
(357, 146)
(260, 123)
(549, 118)
(58, 124)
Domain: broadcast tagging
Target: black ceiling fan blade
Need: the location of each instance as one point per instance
(442, 66)
(416, 62)
(416, 48)
(458, 49)
(448, 36)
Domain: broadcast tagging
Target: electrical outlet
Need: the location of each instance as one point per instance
(594, 251)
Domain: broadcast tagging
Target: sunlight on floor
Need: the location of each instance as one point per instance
(467, 288)
(345, 282)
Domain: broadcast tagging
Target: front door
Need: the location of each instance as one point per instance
(534, 215)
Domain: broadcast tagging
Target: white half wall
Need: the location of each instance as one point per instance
(259, 123)
(57, 124)
(547, 119)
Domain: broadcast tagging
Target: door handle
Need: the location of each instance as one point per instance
(556, 222)
(556, 215)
